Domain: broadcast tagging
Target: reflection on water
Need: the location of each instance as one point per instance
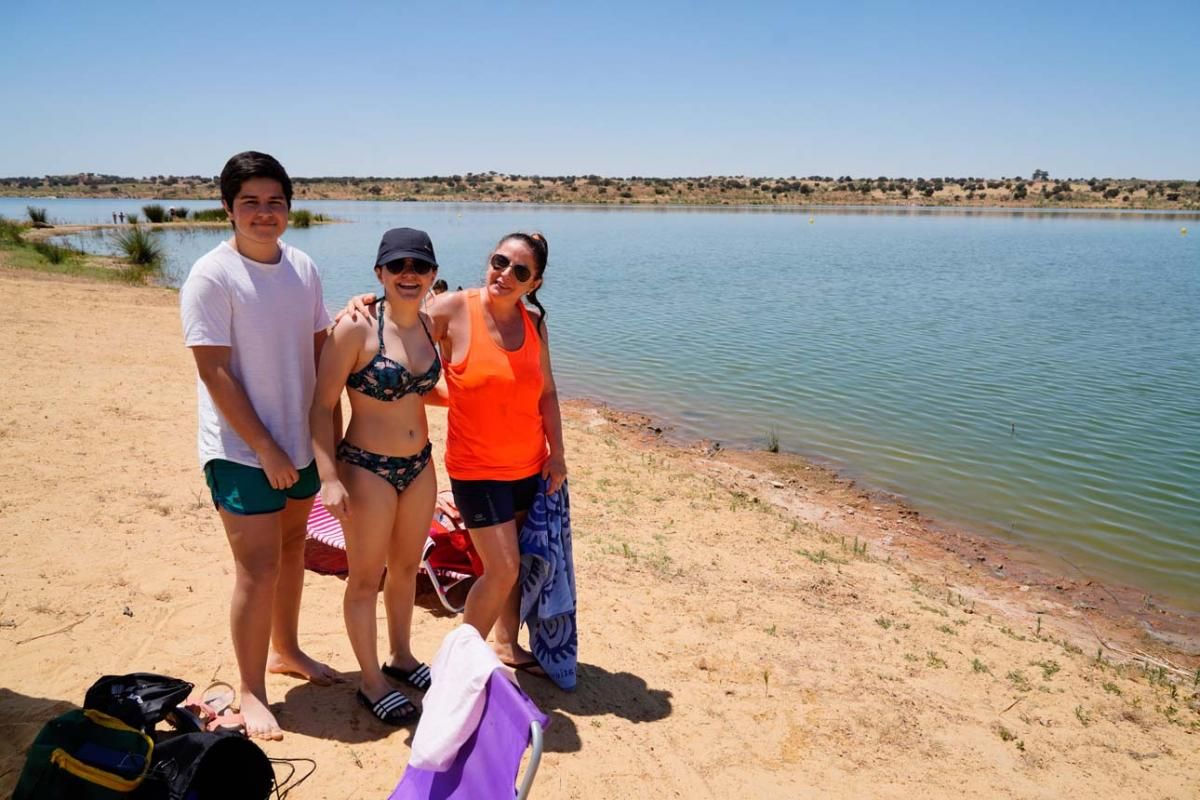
(1035, 374)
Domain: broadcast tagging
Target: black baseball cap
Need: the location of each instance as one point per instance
(401, 243)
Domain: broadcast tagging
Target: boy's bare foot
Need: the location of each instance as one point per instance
(260, 722)
(303, 666)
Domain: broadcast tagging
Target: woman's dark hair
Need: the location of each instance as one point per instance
(247, 166)
(540, 248)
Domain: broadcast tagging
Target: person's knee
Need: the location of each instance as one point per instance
(363, 583)
(405, 571)
(261, 571)
(505, 568)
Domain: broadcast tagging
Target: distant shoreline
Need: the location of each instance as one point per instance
(720, 191)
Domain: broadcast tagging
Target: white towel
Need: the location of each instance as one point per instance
(454, 704)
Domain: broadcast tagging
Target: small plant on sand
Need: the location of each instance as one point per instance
(946, 629)
(1007, 631)
(1083, 716)
(1049, 667)
(1019, 680)
(936, 661)
(1112, 688)
(884, 622)
(154, 213)
(36, 215)
(979, 666)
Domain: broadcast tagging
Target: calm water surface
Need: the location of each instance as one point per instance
(1036, 377)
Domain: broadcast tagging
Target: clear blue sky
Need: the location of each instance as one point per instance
(1110, 89)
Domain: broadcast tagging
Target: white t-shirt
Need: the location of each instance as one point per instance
(267, 314)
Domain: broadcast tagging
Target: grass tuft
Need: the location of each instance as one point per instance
(55, 253)
(11, 231)
(154, 212)
(772, 441)
(301, 218)
(210, 215)
(143, 251)
(36, 215)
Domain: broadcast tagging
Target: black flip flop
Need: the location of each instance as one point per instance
(391, 709)
(418, 678)
(530, 667)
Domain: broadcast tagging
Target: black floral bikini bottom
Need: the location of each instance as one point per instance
(399, 471)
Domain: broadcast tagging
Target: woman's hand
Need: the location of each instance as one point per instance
(359, 304)
(445, 504)
(281, 473)
(336, 500)
(555, 471)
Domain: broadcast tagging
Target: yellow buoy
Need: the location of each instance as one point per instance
(1183, 231)
(811, 220)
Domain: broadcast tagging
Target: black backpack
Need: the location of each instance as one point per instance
(188, 763)
(207, 766)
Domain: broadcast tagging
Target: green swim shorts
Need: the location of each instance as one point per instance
(240, 489)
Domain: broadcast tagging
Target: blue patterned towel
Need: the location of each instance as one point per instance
(548, 585)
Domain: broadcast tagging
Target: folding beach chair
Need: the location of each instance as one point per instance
(448, 559)
(486, 765)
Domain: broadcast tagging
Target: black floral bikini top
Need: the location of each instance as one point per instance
(384, 379)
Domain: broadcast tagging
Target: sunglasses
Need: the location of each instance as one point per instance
(398, 266)
(501, 262)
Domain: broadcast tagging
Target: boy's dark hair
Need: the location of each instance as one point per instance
(247, 166)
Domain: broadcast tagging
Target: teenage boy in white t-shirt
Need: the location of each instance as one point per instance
(255, 320)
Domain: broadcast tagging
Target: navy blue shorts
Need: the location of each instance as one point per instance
(482, 504)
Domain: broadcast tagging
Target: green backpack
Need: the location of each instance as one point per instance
(85, 755)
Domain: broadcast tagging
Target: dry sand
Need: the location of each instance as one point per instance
(734, 640)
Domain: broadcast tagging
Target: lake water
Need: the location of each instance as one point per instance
(1033, 376)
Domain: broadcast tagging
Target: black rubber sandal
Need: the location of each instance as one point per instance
(419, 678)
(391, 709)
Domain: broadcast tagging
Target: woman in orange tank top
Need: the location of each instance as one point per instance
(504, 427)
(505, 430)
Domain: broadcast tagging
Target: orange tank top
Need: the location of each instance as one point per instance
(495, 429)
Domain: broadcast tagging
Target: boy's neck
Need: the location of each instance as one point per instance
(262, 252)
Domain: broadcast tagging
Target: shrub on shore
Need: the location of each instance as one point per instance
(210, 215)
(36, 215)
(132, 218)
(140, 247)
(180, 212)
(301, 218)
(154, 213)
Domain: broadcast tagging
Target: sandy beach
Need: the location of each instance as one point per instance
(750, 625)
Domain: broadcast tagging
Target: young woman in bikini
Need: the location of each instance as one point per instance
(378, 482)
(504, 425)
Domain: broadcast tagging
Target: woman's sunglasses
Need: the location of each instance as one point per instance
(501, 262)
(398, 266)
